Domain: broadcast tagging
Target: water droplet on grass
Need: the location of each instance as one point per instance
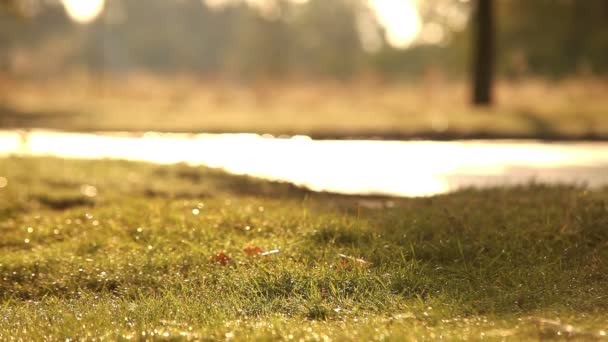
(88, 190)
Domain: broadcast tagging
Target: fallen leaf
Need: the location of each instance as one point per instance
(253, 250)
(220, 258)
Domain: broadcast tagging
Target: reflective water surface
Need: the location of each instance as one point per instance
(402, 168)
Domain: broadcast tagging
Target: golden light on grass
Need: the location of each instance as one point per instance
(83, 11)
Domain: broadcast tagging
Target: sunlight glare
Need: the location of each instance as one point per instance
(412, 168)
(401, 20)
(83, 11)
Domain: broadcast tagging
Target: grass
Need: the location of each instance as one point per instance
(117, 250)
(567, 109)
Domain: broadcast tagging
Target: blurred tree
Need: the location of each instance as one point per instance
(483, 58)
(265, 39)
(326, 40)
(314, 38)
(26, 29)
(553, 37)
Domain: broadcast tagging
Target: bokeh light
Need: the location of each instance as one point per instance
(83, 11)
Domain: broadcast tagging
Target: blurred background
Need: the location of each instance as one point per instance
(324, 68)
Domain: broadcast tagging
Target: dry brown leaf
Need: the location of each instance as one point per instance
(220, 258)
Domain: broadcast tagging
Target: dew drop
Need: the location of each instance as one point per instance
(88, 190)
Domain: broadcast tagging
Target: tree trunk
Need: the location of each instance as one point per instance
(483, 68)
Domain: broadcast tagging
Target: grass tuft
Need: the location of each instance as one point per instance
(86, 252)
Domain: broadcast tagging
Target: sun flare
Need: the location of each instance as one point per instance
(401, 20)
(83, 11)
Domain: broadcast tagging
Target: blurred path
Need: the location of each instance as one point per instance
(401, 168)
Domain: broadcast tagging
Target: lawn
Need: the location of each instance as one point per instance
(117, 250)
(566, 109)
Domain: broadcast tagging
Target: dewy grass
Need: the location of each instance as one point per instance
(93, 250)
